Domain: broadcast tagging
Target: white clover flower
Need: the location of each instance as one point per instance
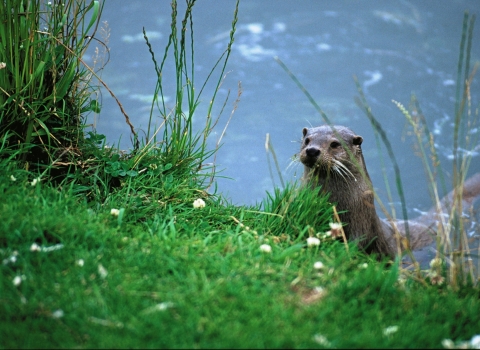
(363, 266)
(448, 343)
(58, 313)
(265, 248)
(13, 178)
(159, 307)
(114, 212)
(35, 181)
(2, 65)
(102, 271)
(13, 258)
(35, 247)
(17, 280)
(163, 306)
(318, 265)
(436, 262)
(390, 330)
(335, 226)
(198, 203)
(335, 230)
(475, 342)
(322, 340)
(313, 241)
(80, 262)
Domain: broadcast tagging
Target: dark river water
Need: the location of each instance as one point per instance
(395, 48)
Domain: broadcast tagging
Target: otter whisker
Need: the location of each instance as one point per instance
(340, 167)
(339, 171)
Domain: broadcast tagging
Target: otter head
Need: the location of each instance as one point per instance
(329, 152)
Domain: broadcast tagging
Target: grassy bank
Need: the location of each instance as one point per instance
(100, 248)
(194, 277)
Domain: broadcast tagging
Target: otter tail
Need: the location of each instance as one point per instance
(423, 229)
(470, 194)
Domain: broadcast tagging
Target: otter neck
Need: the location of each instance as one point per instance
(357, 209)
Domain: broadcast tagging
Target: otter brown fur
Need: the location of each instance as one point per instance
(333, 159)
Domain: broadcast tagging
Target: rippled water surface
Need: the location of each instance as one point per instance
(395, 48)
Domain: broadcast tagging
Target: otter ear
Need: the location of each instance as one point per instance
(357, 140)
(305, 130)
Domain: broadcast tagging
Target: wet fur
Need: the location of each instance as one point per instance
(351, 190)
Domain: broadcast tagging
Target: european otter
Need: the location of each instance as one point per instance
(339, 172)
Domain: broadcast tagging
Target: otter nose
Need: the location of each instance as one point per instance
(312, 152)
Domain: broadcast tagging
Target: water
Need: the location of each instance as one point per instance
(395, 48)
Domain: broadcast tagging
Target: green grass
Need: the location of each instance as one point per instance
(114, 253)
(185, 277)
(45, 89)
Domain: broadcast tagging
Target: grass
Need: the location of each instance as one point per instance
(115, 254)
(44, 88)
(188, 277)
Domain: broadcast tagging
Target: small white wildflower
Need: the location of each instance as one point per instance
(448, 343)
(17, 280)
(335, 230)
(114, 212)
(11, 259)
(198, 203)
(475, 342)
(13, 178)
(390, 330)
(2, 65)
(335, 226)
(80, 262)
(35, 181)
(265, 248)
(322, 340)
(158, 307)
(318, 265)
(363, 266)
(402, 280)
(313, 241)
(35, 247)
(436, 262)
(163, 306)
(102, 271)
(58, 313)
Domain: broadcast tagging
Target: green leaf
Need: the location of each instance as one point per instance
(132, 173)
(93, 106)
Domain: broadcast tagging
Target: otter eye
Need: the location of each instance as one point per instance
(307, 141)
(335, 144)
